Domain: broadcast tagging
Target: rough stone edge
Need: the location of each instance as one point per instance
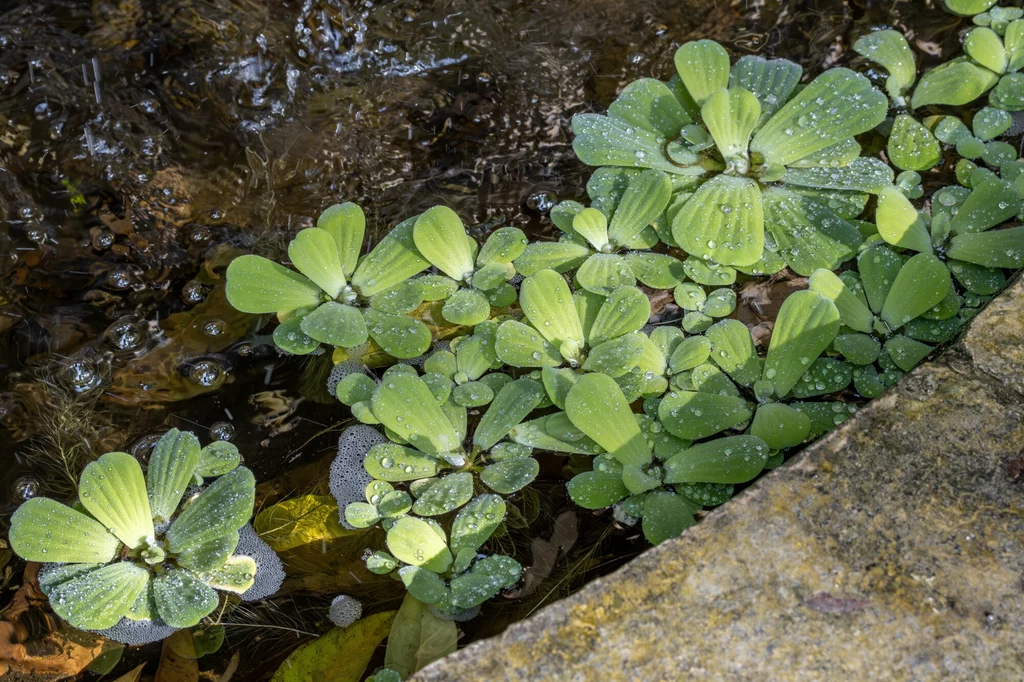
(1001, 367)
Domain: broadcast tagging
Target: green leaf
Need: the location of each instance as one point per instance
(864, 174)
(235, 575)
(968, 8)
(548, 305)
(890, 49)
(617, 356)
(690, 353)
(346, 224)
(780, 426)
(596, 406)
(807, 233)
(510, 475)
(224, 506)
(393, 260)
(447, 494)
(723, 221)
(97, 599)
(472, 394)
(649, 104)
(709, 273)
(852, 311)
(560, 256)
(906, 352)
(171, 466)
(361, 514)
(703, 66)
(604, 272)
(642, 203)
(806, 325)
(592, 225)
(398, 335)
(442, 239)
(467, 307)
(922, 282)
(535, 434)
(860, 349)
(690, 296)
(626, 310)
(510, 406)
(402, 298)
(1008, 93)
(414, 542)
(210, 555)
(520, 345)
(182, 600)
(878, 266)
(487, 577)
(732, 349)
(478, 520)
(422, 584)
(475, 355)
(912, 146)
(289, 337)
(977, 279)
(692, 415)
(899, 223)
(604, 141)
(656, 270)
(257, 285)
(113, 490)
(503, 245)
(418, 638)
(771, 80)
(1013, 41)
(986, 47)
(404, 404)
(734, 459)
(989, 203)
(597, 490)
(812, 121)
(994, 249)
(337, 324)
(341, 655)
(557, 383)
(216, 459)
(730, 116)
(47, 531)
(314, 253)
(954, 83)
(666, 515)
(837, 155)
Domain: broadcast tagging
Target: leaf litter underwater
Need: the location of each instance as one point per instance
(145, 148)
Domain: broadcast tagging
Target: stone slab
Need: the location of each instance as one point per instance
(994, 343)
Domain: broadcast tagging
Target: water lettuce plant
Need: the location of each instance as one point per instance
(752, 156)
(145, 547)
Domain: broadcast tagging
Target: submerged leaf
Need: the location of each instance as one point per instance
(418, 638)
(341, 655)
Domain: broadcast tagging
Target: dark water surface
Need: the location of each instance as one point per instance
(145, 143)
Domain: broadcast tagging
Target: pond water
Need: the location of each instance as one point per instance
(143, 145)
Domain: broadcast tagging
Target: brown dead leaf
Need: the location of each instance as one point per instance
(546, 552)
(132, 675)
(176, 668)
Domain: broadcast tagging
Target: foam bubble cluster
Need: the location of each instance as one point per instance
(138, 632)
(342, 370)
(348, 478)
(345, 610)
(269, 571)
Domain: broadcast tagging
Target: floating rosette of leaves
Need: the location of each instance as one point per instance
(143, 547)
(437, 476)
(763, 171)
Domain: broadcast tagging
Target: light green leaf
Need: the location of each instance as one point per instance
(548, 305)
(811, 120)
(864, 174)
(692, 415)
(993, 249)
(472, 394)
(989, 203)
(860, 349)
(513, 402)
(97, 599)
(341, 655)
(734, 459)
(842, 153)
(487, 577)
(922, 282)
(337, 324)
(626, 310)
(597, 490)
(649, 104)
(402, 298)
(210, 555)
(520, 345)
(906, 352)
(475, 355)
(257, 285)
(666, 515)
(890, 49)
(478, 520)
(642, 203)
(442, 239)
(1013, 41)
(807, 233)
(182, 600)
(346, 224)
(414, 542)
(314, 253)
(535, 434)
(899, 222)
(216, 459)
(656, 270)
(592, 225)
(806, 325)
(510, 475)
(171, 466)
(771, 80)
(45, 530)
(467, 307)
(731, 116)
(447, 494)
(732, 349)
(690, 353)
(597, 407)
(236, 575)
(780, 426)
(224, 506)
(404, 404)
(560, 256)
(361, 514)
(417, 638)
(1008, 93)
(393, 462)
(852, 311)
(968, 8)
(954, 83)
(616, 356)
(723, 221)
(113, 490)
(703, 66)
(986, 47)
(912, 146)
(393, 260)
(557, 383)
(289, 337)
(398, 335)
(604, 141)
(878, 266)
(422, 584)
(503, 245)
(603, 272)
(709, 273)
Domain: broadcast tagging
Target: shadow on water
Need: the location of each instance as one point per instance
(145, 144)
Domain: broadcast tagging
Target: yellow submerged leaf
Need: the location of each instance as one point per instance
(300, 521)
(341, 655)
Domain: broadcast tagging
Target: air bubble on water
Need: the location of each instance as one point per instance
(345, 610)
(214, 328)
(222, 431)
(206, 373)
(26, 487)
(193, 292)
(81, 375)
(126, 335)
